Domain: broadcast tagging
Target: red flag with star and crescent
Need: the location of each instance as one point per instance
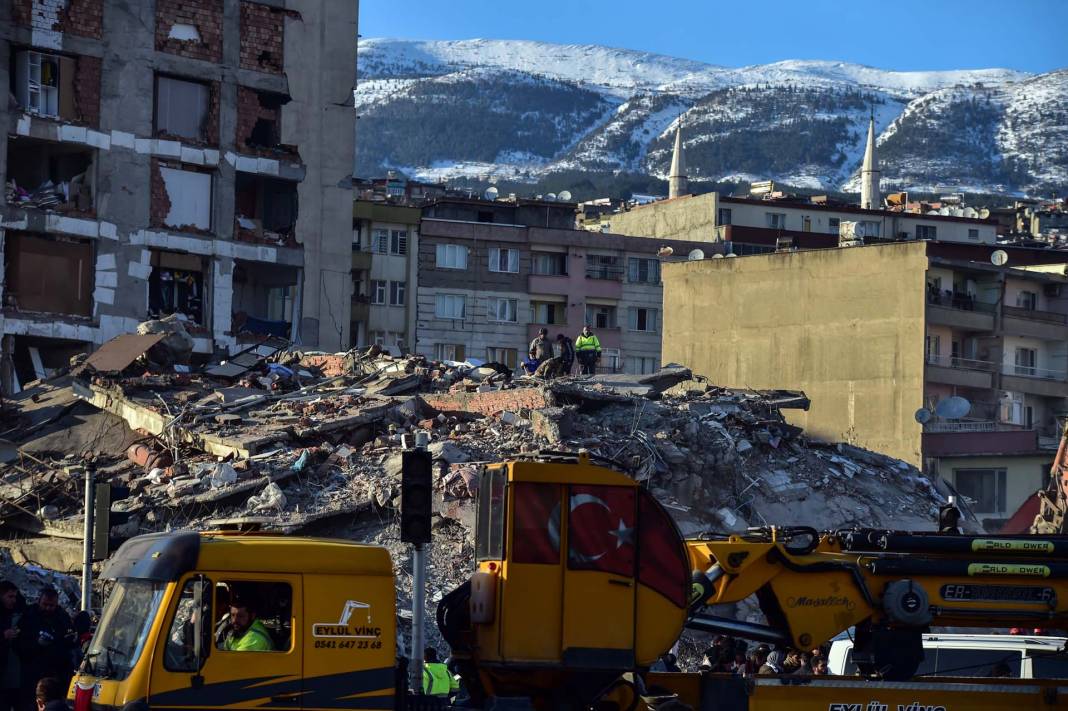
(602, 528)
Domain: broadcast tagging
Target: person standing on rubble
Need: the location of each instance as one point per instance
(46, 642)
(11, 605)
(541, 349)
(588, 350)
(565, 349)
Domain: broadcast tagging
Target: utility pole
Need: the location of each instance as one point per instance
(416, 510)
(87, 543)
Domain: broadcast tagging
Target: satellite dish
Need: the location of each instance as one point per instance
(956, 212)
(491, 193)
(970, 212)
(984, 213)
(943, 211)
(551, 197)
(695, 255)
(933, 212)
(953, 408)
(564, 195)
(999, 257)
(923, 415)
(732, 255)
(717, 256)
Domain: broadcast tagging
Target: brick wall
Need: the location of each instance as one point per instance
(262, 30)
(160, 204)
(78, 17)
(490, 403)
(249, 109)
(87, 90)
(205, 15)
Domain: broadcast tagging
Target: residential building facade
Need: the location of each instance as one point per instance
(187, 157)
(385, 249)
(881, 337)
(489, 282)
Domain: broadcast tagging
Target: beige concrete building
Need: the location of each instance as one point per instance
(875, 334)
(385, 244)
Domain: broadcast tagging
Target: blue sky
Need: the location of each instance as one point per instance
(1028, 35)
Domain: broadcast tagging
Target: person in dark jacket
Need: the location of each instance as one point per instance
(11, 606)
(46, 642)
(541, 348)
(565, 349)
(49, 695)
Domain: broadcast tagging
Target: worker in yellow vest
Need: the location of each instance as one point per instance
(437, 680)
(588, 350)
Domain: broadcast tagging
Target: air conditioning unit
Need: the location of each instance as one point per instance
(1052, 290)
(37, 82)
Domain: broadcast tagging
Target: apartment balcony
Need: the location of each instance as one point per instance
(960, 311)
(560, 284)
(962, 372)
(978, 442)
(1034, 381)
(1045, 325)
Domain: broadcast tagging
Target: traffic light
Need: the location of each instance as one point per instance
(417, 506)
(104, 518)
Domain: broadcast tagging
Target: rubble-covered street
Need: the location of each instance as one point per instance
(310, 443)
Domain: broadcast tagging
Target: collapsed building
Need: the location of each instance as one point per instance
(294, 441)
(189, 157)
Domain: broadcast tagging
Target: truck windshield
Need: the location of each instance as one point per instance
(124, 625)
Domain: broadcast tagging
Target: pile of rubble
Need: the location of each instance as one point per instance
(310, 442)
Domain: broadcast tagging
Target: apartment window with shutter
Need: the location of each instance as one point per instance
(503, 309)
(378, 291)
(985, 487)
(380, 241)
(398, 242)
(451, 256)
(643, 270)
(600, 316)
(504, 260)
(450, 351)
(642, 319)
(396, 293)
(181, 107)
(549, 263)
(452, 306)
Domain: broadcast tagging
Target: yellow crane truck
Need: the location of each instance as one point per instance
(583, 581)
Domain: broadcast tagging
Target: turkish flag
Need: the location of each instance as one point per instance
(665, 564)
(602, 529)
(536, 532)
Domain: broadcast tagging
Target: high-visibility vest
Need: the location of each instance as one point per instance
(587, 343)
(437, 681)
(255, 639)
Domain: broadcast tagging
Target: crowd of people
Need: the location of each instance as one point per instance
(40, 647)
(553, 358)
(730, 656)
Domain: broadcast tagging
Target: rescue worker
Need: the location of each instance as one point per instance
(541, 349)
(588, 350)
(437, 679)
(245, 632)
(46, 641)
(565, 349)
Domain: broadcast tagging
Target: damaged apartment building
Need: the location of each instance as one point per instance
(186, 157)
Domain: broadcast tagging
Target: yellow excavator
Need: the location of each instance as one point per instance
(583, 581)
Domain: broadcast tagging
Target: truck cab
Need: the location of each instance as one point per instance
(324, 613)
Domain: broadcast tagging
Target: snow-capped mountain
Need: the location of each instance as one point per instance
(521, 109)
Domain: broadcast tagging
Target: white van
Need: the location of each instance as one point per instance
(1023, 656)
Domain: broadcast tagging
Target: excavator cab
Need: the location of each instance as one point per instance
(581, 575)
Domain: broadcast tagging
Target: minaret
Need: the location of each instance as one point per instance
(870, 199)
(677, 179)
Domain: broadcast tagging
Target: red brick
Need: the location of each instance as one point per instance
(87, 90)
(490, 403)
(262, 32)
(205, 15)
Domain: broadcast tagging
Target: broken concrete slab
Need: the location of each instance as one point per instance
(553, 424)
(120, 352)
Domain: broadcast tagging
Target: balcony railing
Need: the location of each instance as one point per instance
(964, 427)
(601, 272)
(962, 363)
(1036, 315)
(1027, 371)
(959, 300)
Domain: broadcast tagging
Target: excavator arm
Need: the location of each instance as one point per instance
(889, 586)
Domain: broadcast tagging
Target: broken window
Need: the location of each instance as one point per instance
(263, 298)
(182, 108)
(260, 116)
(266, 208)
(48, 274)
(53, 176)
(176, 285)
(189, 197)
(37, 82)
